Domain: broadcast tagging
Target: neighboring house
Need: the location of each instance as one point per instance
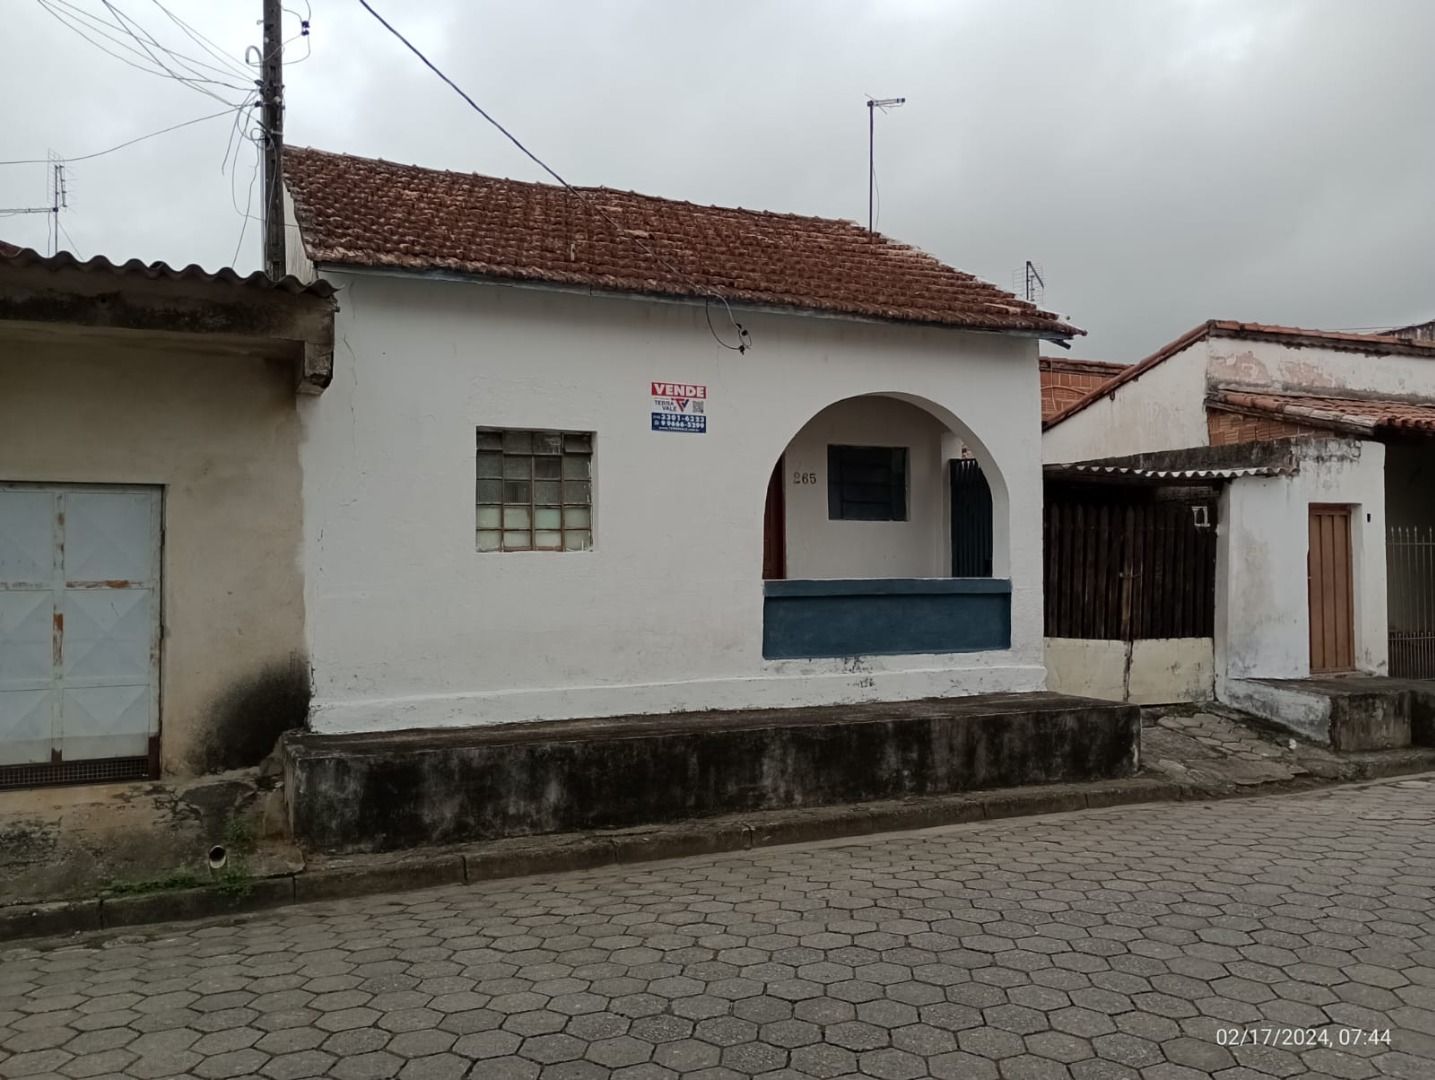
(546, 482)
(1066, 381)
(1309, 455)
(151, 593)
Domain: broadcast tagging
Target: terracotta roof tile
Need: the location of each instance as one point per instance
(1361, 416)
(362, 212)
(1077, 365)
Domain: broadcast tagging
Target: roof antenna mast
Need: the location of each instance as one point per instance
(873, 104)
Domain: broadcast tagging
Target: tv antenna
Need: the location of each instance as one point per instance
(57, 197)
(873, 104)
(1035, 285)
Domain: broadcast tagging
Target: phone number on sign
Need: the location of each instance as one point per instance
(1281, 1036)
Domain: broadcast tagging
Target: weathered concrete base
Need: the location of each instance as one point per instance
(1354, 712)
(1155, 672)
(381, 792)
(333, 877)
(62, 842)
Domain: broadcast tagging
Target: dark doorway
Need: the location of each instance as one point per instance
(971, 520)
(774, 528)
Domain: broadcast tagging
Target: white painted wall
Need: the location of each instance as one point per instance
(818, 547)
(1163, 409)
(1158, 671)
(1278, 366)
(410, 626)
(1262, 606)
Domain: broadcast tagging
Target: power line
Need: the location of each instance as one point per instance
(144, 38)
(110, 30)
(85, 25)
(248, 205)
(193, 79)
(203, 42)
(131, 142)
(74, 247)
(743, 337)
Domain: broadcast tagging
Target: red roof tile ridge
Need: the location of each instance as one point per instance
(601, 189)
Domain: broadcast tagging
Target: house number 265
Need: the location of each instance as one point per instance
(804, 478)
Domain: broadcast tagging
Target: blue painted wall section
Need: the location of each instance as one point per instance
(885, 617)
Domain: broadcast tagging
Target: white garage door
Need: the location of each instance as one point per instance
(79, 624)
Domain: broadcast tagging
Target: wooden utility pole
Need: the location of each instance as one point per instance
(271, 100)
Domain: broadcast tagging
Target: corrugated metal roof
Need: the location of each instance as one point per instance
(160, 271)
(1130, 472)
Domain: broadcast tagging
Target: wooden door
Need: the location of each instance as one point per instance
(774, 528)
(1329, 574)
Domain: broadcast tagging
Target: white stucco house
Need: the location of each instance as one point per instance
(1314, 449)
(596, 453)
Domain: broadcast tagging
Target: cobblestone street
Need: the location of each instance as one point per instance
(1132, 942)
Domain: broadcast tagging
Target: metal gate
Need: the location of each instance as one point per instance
(79, 632)
(1410, 565)
(971, 520)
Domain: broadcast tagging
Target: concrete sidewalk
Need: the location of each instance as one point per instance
(1245, 939)
(1188, 753)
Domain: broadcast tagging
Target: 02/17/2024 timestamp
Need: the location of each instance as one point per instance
(1294, 1036)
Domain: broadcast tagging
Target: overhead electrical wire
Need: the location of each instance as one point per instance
(193, 79)
(203, 42)
(145, 39)
(131, 142)
(92, 29)
(248, 205)
(744, 339)
(117, 33)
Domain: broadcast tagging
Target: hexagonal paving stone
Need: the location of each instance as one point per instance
(1110, 945)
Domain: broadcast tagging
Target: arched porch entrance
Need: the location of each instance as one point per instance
(880, 536)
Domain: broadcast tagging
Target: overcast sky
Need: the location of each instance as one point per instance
(1162, 161)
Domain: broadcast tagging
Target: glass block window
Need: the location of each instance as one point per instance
(867, 483)
(535, 490)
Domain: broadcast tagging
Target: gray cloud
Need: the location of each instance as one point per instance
(1164, 161)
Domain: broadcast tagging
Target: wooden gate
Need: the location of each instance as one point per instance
(1128, 570)
(1328, 577)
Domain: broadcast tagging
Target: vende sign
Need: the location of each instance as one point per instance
(679, 390)
(679, 407)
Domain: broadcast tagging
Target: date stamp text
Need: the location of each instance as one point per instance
(1296, 1036)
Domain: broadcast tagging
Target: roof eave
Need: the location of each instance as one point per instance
(1063, 334)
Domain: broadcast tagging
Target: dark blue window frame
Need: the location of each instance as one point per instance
(867, 483)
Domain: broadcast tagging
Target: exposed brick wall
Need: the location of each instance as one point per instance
(1060, 388)
(1228, 427)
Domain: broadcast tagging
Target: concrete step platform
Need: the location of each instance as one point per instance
(387, 791)
(1347, 712)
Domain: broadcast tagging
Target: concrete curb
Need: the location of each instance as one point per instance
(526, 856)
